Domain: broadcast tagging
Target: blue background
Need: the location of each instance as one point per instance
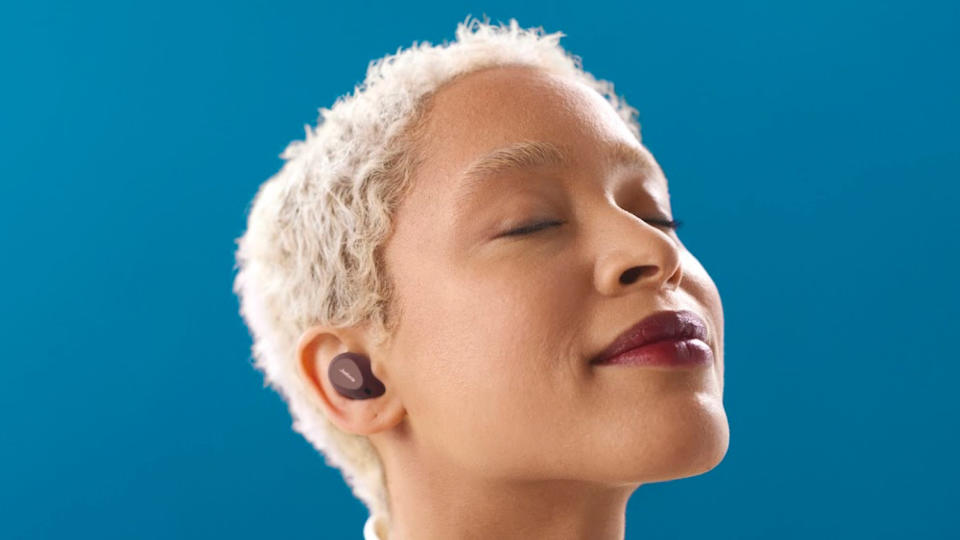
(812, 154)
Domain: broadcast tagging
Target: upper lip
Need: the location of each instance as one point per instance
(660, 326)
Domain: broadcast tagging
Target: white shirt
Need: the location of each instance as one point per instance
(375, 528)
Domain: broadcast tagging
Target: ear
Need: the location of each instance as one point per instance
(317, 347)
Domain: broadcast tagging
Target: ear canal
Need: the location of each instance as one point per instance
(351, 376)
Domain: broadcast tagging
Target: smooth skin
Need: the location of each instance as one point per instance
(494, 424)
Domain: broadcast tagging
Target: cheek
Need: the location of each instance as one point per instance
(486, 352)
(522, 319)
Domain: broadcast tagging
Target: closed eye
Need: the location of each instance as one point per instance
(530, 229)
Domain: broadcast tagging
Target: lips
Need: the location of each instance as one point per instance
(661, 326)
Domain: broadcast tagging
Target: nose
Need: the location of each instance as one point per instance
(635, 254)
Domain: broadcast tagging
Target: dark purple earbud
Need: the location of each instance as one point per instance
(351, 376)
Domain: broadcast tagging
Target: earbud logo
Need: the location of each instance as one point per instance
(347, 375)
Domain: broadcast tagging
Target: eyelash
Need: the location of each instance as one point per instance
(529, 229)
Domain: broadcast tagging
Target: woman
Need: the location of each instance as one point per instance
(472, 238)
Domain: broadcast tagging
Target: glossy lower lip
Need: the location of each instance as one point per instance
(667, 353)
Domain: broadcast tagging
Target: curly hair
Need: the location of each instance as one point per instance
(312, 250)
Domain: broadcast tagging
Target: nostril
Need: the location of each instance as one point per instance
(636, 272)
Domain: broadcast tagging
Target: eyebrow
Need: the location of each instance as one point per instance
(524, 155)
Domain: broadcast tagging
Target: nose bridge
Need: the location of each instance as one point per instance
(633, 253)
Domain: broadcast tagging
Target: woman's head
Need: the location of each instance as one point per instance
(384, 235)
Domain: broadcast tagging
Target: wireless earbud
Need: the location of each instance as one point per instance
(351, 376)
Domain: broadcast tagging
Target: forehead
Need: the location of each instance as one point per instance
(500, 107)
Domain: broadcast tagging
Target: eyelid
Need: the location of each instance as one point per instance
(531, 228)
(537, 226)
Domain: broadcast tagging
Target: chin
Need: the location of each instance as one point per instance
(694, 444)
(706, 454)
(671, 443)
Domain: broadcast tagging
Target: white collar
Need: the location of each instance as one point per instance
(375, 528)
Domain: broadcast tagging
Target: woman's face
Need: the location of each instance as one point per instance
(491, 357)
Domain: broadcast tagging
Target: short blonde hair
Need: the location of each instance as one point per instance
(312, 251)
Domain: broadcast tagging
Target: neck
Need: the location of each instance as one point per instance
(429, 501)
